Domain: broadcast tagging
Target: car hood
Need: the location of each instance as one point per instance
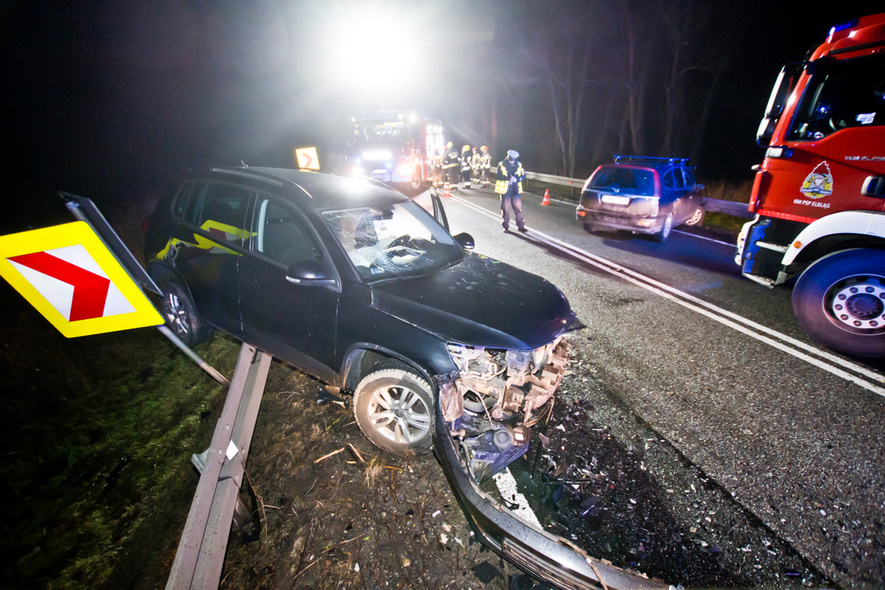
(480, 302)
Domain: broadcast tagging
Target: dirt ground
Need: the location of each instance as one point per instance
(336, 512)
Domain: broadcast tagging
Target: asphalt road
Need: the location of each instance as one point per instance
(718, 366)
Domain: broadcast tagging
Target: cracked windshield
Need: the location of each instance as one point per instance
(397, 241)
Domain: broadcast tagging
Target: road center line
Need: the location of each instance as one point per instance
(870, 380)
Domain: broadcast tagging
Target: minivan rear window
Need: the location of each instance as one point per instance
(634, 181)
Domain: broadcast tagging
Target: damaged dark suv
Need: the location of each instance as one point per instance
(358, 285)
(361, 287)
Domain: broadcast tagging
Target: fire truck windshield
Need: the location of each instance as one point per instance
(381, 132)
(840, 94)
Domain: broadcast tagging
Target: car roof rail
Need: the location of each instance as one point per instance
(656, 160)
(246, 172)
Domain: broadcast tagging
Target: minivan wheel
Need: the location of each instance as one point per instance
(697, 217)
(394, 409)
(664, 232)
(181, 315)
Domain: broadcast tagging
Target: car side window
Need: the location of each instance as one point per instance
(181, 200)
(689, 178)
(280, 234)
(219, 209)
(673, 179)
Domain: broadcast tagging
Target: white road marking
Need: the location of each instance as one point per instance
(863, 376)
(685, 233)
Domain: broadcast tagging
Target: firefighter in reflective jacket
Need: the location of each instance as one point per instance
(465, 166)
(475, 161)
(451, 165)
(436, 169)
(510, 176)
(485, 165)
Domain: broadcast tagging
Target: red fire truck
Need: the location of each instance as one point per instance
(394, 147)
(819, 195)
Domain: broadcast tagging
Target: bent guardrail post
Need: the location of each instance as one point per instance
(200, 554)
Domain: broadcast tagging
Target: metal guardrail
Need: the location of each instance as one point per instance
(711, 205)
(200, 556)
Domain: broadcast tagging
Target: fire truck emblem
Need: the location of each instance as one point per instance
(818, 184)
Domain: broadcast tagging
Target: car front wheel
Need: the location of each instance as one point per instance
(181, 315)
(394, 409)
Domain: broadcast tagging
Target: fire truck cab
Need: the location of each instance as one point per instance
(395, 147)
(819, 194)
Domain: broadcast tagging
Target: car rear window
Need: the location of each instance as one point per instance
(635, 181)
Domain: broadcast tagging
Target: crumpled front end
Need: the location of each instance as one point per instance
(484, 416)
(496, 399)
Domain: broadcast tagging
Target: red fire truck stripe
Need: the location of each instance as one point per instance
(90, 289)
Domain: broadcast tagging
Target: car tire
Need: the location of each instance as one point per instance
(697, 217)
(589, 228)
(181, 315)
(394, 409)
(666, 228)
(840, 301)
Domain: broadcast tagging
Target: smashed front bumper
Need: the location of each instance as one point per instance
(547, 557)
(484, 416)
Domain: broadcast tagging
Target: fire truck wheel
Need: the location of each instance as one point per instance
(840, 301)
(394, 409)
(416, 180)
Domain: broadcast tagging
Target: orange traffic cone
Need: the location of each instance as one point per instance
(446, 189)
(546, 200)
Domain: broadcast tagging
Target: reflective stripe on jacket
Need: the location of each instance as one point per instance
(506, 169)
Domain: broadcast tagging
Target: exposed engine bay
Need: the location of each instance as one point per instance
(496, 398)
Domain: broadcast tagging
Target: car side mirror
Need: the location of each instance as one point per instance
(308, 273)
(465, 240)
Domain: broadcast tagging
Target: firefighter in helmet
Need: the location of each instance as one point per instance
(485, 165)
(436, 170)
(475, 161)
(450, 165)
(465, 166)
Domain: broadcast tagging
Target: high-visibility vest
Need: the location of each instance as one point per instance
(507, 169)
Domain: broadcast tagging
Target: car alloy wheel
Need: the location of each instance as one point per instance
(181, 316)
(394, 409)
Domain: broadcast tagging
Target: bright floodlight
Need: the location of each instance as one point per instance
(376, 52)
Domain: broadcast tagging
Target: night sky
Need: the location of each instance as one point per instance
(109, 99)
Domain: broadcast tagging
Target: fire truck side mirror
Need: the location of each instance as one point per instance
(765, 131)
(874, 186)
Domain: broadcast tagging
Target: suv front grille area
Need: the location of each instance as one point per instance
(496, 400)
